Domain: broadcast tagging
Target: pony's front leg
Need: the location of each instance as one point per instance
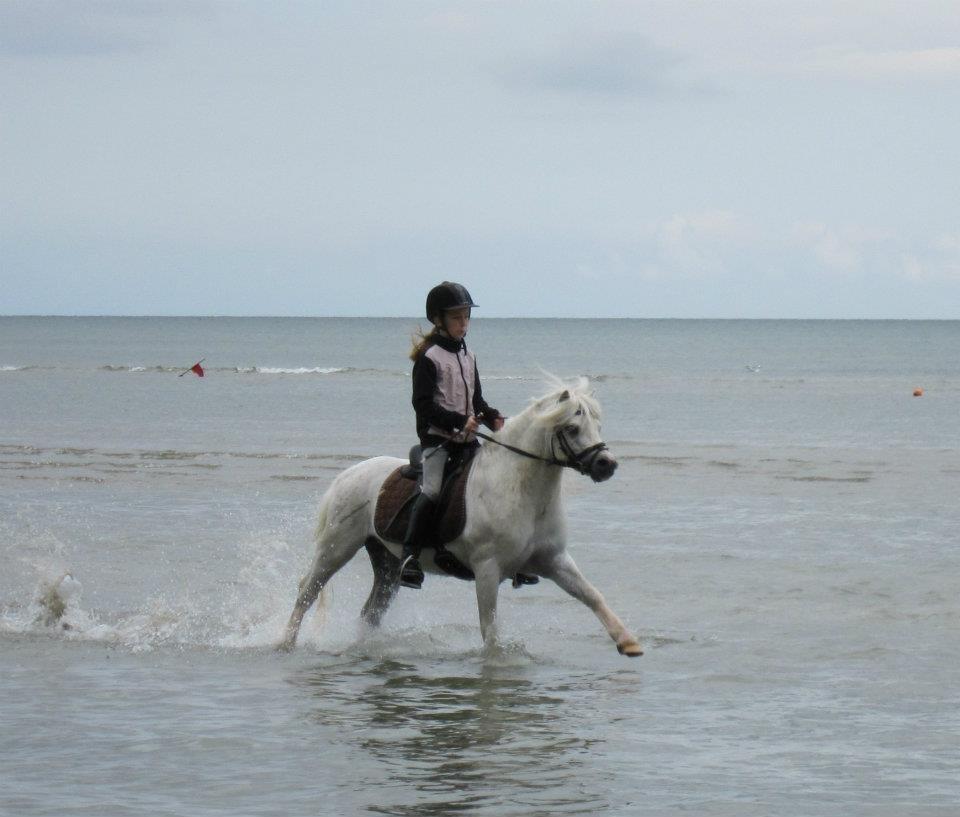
(488, 585)
(564, 571)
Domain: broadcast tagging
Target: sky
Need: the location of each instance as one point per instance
(654, 159)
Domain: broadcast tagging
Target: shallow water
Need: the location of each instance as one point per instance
(781, 534)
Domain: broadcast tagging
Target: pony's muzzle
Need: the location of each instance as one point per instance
(602, 467)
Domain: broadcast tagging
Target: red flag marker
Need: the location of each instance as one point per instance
(196, 368)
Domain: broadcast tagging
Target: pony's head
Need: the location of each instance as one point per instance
(571, 414)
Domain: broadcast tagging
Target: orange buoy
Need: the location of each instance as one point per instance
(918, 392)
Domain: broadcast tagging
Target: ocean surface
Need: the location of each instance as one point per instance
(782, 534)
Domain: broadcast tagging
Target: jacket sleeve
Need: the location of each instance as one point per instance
(480, 406)
(424, 387)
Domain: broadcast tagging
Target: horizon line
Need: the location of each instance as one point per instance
(482, 317)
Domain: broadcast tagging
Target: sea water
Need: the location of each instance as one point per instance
(782, 535)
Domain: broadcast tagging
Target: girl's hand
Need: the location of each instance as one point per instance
(497, 423)
(472, 425)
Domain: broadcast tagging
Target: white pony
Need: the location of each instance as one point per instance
(514, 516)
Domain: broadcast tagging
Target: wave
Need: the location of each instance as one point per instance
(14, 457)
(125, 368)
(13, 448)
(244, 370)
(28, 368)
(316, 370)
(113, 367)
(296, 370)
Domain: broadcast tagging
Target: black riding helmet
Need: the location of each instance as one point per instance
(447, 295)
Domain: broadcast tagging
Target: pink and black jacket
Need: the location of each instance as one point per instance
(446, 391)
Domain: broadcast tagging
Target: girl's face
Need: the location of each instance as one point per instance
(456, 322)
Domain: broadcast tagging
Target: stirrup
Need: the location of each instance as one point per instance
(520, 579)
(411, 574)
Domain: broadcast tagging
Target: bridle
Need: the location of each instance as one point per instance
(579, 461)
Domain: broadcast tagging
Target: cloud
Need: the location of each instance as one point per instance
(720, 225)
(450, 21)
(851, 250)
(899, 65)
(697, 244)
(911, 268)
(948, 242)
(937, 260)
(607, 65)
(63, 28)
(837, 250)
(721, 244)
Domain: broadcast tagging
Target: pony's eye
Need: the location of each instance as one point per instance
(573, 431)
(579, 412)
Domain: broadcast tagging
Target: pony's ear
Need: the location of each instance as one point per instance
(564, 396)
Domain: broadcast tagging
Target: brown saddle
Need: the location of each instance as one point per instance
(392, 514)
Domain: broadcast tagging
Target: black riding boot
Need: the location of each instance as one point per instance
(411, 574)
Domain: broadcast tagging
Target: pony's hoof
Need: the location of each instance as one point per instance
(631, 649)
(285, 646)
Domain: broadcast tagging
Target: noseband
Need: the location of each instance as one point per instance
(581, 461)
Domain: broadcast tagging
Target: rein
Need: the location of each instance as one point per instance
(574, 460)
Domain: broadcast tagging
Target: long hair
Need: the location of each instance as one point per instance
(422, 342)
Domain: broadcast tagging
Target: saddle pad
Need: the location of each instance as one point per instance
(395, 500)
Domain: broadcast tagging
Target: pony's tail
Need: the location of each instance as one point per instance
(421, 342)
(322, 605)
(321, 608)
(323, 517)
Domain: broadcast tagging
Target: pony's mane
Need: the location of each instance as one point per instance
(553, 410)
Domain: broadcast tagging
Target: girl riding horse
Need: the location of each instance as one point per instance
(515, 519)
(449, 404)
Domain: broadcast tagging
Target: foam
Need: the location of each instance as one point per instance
(298, 370)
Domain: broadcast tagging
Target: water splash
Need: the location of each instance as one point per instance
(53, 599)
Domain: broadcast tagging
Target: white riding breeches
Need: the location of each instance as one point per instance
(434, 462)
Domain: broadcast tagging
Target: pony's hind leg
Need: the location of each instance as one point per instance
(344, 524)
(386, 578)
(321, 571)
(334, 550)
